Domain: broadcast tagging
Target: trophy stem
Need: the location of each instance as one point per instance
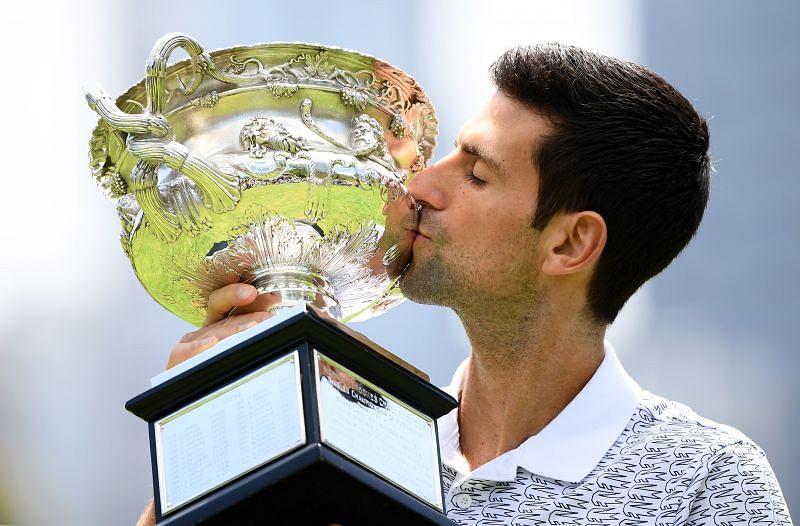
(295, 285)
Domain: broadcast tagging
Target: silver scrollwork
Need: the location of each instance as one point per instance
(321, 135)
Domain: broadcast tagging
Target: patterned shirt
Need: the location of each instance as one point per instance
(615, 455)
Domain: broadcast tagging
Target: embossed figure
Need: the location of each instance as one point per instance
(366, 137)
(262, 134)
(582, 177)
(275, 155)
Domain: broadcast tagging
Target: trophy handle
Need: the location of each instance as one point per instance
(138, 124)
(157, 68)
(150, 138)
(202, 65)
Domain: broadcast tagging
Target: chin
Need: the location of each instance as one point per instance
(426, 286)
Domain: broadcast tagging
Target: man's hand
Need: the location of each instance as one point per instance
(250, 310)
(148, 517)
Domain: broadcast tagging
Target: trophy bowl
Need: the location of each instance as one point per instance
(270, 164)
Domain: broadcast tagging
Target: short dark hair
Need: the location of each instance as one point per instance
(627, 145)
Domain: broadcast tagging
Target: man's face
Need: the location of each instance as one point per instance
(475, 245)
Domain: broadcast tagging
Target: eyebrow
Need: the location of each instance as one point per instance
(480, 153)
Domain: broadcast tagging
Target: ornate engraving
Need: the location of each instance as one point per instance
(316, 66)
(423, 125)
(204, 276)
(279, 168)
(398, 125)
(106, 149)
(238, 66)
(318, 195)
(209, 100)
(144, 185)
(366, 136)
(355, 98)
(187, 206)
(253, 171)
(355, 87)
(220, 190)
(262, 133)
(169, 298)
(392, 96)
(130, 215)
(118, 186)
(269, 244)
(357, 173)
(280, 89)
(111, 183)
(311, 124)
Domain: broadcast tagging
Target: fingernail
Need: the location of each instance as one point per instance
(207, 341)
(243, 293)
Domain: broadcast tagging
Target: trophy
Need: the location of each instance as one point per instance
(276, 165)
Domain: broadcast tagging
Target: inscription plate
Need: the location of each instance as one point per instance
(230, 432)
(378, 431)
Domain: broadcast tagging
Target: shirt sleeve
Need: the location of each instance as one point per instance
(735, 485)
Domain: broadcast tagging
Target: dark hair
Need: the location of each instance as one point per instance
(626, 145)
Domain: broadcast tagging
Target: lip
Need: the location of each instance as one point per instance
(417, 232)
(420, 235)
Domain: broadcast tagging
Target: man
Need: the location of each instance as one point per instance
(580, 179)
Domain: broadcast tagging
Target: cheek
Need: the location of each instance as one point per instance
(501, 227)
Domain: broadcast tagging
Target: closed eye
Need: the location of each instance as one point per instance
(474, 180)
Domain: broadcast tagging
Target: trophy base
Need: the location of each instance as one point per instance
(305, 422)
(315, 486)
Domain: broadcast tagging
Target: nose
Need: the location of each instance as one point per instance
(426, 187)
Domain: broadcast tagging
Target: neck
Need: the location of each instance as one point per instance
(525, 368)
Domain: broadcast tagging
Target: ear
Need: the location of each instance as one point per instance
(574, 243)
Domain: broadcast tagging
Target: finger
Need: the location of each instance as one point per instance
(212, 335)
(183, 351)
(262, 303)
(221, 301)
(226, 327)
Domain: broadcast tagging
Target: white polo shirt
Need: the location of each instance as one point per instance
(615, 455)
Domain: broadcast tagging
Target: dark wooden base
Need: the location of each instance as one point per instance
(314, 484)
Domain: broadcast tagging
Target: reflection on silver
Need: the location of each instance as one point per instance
(377, 430)
(317, 136)
(391, 255)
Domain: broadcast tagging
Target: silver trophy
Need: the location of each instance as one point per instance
(268, 164)
(275, 165)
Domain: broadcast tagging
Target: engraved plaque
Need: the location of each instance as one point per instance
(378, 431)
(230, 432)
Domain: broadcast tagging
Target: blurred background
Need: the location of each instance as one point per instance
(78, 335)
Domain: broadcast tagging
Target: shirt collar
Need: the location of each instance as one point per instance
(572, 444)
